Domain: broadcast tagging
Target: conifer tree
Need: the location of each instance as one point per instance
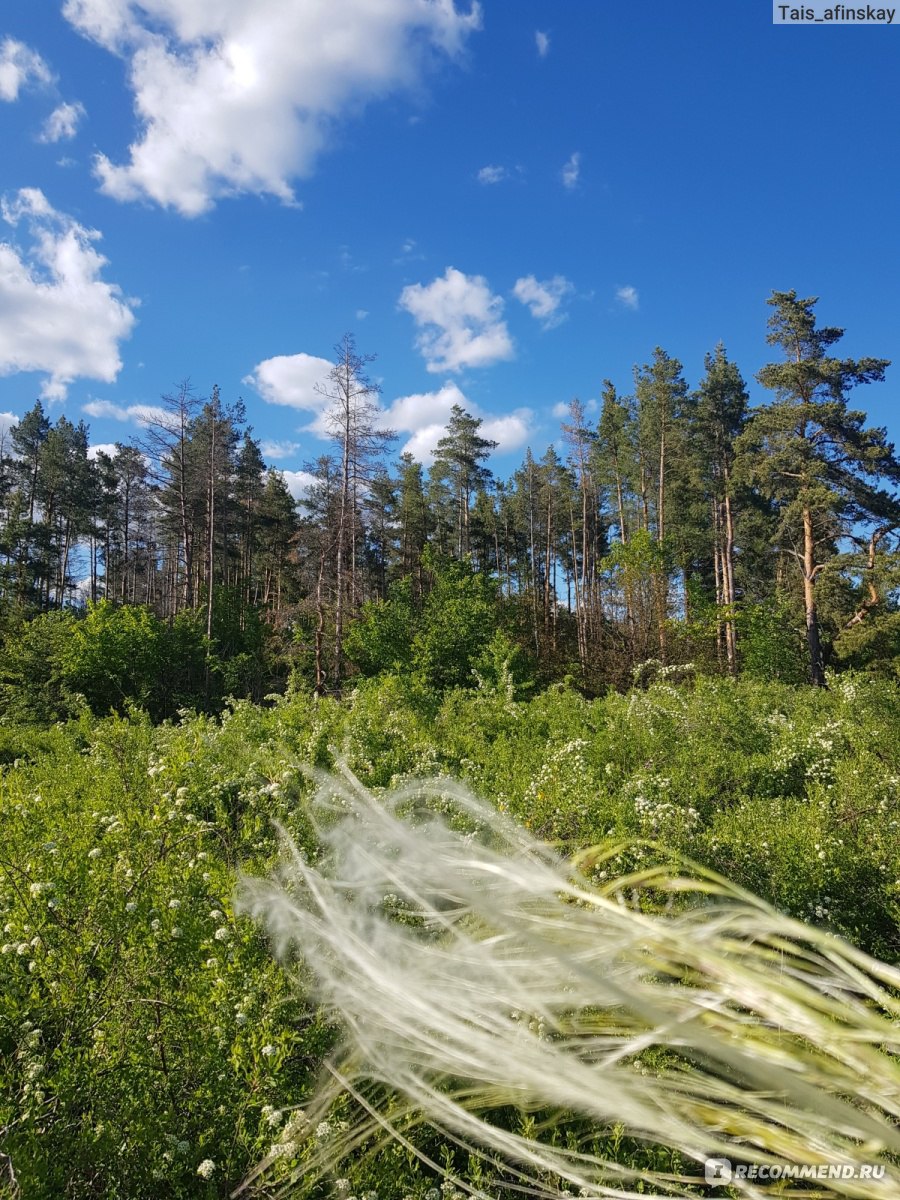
(661, 394)
(353, 418)
(459, 472)
(720, 414)
(413, 518)
(812, 455)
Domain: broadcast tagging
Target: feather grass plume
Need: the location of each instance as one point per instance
(475, 972)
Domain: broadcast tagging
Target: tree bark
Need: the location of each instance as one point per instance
(810, 570)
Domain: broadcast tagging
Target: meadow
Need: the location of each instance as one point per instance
(151, 1045)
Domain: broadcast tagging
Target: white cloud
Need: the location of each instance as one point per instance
(279, 449)
(628, 297)
(560, 410)
(19, 66)
(57, 315)
(543, 299)
(291, 380)
(7, 420)
(62, 124)
(572, 170)
(461, 322)
(236, 97)
(109, 448)
(509, 431)
(424, 416)
(139, 414)
(103, 408)
(542, 41)
(361, 314)
(298, 482)
(421, 418)
(492, 174)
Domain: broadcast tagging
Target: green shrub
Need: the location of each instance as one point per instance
(136, 1044)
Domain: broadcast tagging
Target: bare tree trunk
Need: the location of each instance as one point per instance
(320, 627)
(810, 571)
(547, 556)
(873, 599)
(728, 581)
(718, 573)
(212, 519)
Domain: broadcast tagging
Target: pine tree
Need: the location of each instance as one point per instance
(812, 455)
(413, 518)
(249, 489)
(353, 419)
(661, 393)
(167, 443)
(458, 472)
(720, 415)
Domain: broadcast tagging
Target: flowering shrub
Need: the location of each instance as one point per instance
(150, 1046)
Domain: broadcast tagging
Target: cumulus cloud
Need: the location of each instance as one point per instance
(279, 449)
(296, 381)
(543, 299)
(423, 418)
(571, 171)
(542, 41)
(138, 414)
(510, 431)
(492, 174)
(298, 482)
(57, 315)
(7, 420)
(108, 448)
(628, 297)
(460, 320)
(293, 380)
(19, 66)
(235, 97)
(62, 124)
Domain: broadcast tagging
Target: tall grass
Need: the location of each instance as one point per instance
(477, 974)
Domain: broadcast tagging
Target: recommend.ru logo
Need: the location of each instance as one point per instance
(722, 1171)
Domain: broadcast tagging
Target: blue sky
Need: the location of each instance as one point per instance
(507, 203)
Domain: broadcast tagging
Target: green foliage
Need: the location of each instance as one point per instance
(145, 1030)
(115, 656)
(445, 639)
(770, 644)
(35, 686)
(460, 615)
(381, 638)
(872, 645)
